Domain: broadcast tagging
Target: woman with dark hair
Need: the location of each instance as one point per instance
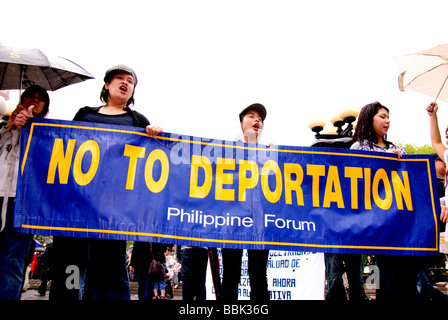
(102, 270)
(118, 94)
(14, 246)
(36, 98)
(371, 130)
(113, 72)
(398, 274)
(370, 135)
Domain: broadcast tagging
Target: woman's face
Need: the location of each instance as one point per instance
(37, 100)
(252, 123)
(121, 87)
(381, 123)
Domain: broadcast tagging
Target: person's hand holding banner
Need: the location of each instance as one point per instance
(153, 130)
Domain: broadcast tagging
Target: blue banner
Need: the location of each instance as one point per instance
(112, 182)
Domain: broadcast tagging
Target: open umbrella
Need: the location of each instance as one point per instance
(425, 72)
(21, 68)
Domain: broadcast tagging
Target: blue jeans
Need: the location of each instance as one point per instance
(335, 268)
(194, 269)
(14, 248)
(150, 286)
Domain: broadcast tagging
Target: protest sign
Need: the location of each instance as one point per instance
(114, 182)
(291, 275)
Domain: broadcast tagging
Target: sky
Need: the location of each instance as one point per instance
(200, 62)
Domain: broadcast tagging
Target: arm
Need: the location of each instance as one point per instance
(443, 214)
(436, 140)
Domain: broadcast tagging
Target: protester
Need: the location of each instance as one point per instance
(441, 171)
(194, 259)
(101, 263)
(398, 274)
(251, 121)
(437, 144)
(14, 246)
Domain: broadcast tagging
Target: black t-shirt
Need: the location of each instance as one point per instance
(124, 119)
(131, 118)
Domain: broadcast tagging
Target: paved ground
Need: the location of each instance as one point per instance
(31, 293)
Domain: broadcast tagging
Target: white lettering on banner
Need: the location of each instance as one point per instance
(269, 219)
(196, 216)
(216, 221)
(291, 275)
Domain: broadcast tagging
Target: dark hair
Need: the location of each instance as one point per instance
(364, 127)
(104, 96)
(37, 89)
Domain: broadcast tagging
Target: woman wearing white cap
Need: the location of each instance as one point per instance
(102, 263)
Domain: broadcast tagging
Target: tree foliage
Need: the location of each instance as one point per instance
(414, 149)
